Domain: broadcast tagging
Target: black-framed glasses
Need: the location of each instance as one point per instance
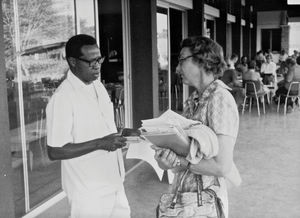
(92, 63)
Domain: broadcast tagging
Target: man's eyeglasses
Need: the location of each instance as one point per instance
(93, 63)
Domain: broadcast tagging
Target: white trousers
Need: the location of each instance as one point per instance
(114, 205)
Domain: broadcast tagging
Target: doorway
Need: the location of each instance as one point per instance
(111, 44)
(271, 39)
(169, 36)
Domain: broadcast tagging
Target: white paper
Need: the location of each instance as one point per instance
(170, 118)
(143, 151)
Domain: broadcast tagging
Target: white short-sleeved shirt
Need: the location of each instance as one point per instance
(268, 68)
(75, 116)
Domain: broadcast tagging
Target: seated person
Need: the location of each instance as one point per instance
(253, 76)
(269, 52)
(230, 77)
(268, 71)
(260, 59)
(282, 56)
(283, 69)
(295, 54)
(292, 75)
(243, 66)
(286, 69)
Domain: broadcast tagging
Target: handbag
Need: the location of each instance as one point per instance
(203, 203)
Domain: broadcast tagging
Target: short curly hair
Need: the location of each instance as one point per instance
(252, 64)
(289, 61)
(207, 53)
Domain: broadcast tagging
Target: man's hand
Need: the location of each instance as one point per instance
(112, 142)
(130, 132)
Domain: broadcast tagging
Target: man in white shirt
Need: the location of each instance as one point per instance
(282, 56)
(268, 71)
(81, 132)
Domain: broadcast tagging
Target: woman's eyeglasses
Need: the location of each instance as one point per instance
(93, 63)
(181, 60)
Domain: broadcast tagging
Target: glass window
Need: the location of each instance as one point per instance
(44, 22)
(44, 27)
(294, 43)
(86, 17)
(163, 59)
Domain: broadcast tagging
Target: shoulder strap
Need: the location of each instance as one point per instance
(199, 189)
(178, 189)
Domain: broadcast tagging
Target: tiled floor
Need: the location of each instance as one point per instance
(267, 154)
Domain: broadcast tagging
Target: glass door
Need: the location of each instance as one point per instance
(111, 44)
(35, 33)
(176, 35)
(169, 36)
(163, 58)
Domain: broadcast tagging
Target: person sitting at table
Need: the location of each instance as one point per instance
(253, 76)
(269, 52)
(295, 54)
(292, 75)
(268, 71)
(286, 69)
(282, 56)
(242, 67)
(230, 78)
(282, 70)
(260, 59)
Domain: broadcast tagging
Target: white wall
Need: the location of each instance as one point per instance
(294, 42)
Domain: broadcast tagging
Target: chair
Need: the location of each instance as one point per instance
(251, 88)
(119, 108)
(293, 93)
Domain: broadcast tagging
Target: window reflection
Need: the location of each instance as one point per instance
(86, 17)
(45, 26)
(163, 59)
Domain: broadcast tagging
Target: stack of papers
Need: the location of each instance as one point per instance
(169, 137)
(167, 131)
(170, 118)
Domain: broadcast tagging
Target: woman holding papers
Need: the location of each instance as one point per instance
(200, 63)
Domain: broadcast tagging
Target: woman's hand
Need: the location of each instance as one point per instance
(165, 158)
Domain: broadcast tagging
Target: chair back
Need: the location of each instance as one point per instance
(294, 89)
(252, 87)
(119, 98)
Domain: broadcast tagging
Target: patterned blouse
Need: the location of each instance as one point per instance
(215, 108)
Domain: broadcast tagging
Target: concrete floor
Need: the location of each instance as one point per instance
(267, 154)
